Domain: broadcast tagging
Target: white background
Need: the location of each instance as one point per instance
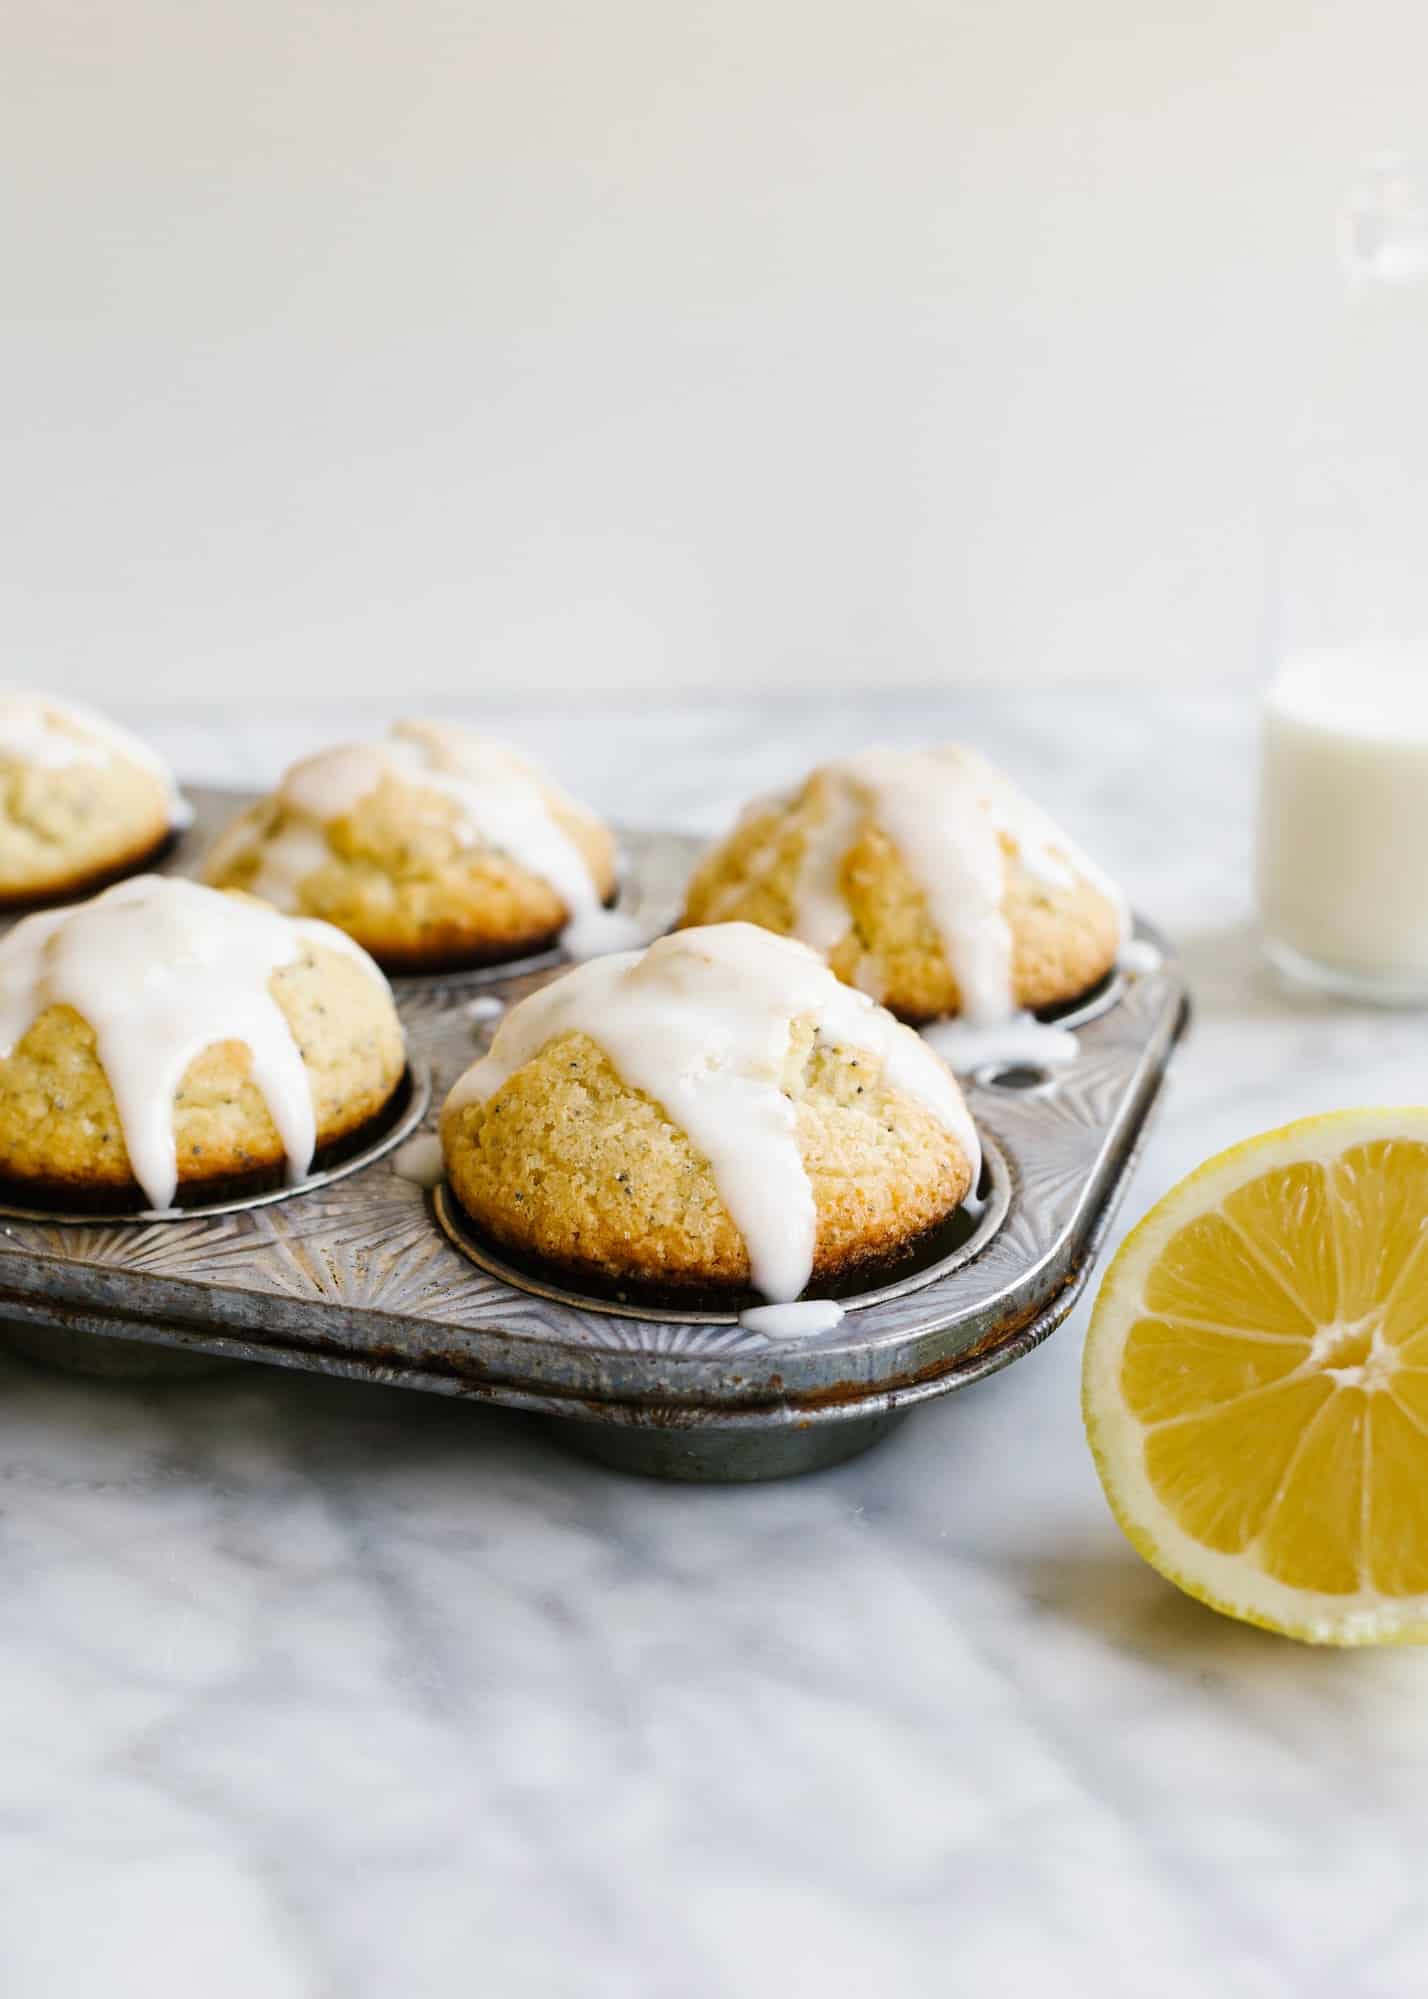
(409, 349)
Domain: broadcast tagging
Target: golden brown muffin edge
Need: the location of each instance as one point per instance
(59, 1124)
(568, 1164)
(399, 879)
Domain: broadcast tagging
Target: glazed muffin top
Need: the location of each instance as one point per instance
(714, 1110)
(80, 798)
(431, 845)
(925, 878)
(164, 1031)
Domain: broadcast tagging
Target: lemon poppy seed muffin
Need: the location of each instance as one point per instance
(927, 880)
(433, 848)
(81, 800)
(715, 1113)
(165, 1038)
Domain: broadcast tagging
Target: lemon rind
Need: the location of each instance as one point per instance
(1227, 1583)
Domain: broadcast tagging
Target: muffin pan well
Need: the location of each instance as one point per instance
(961, 1238)
(352, 1275)
(382, 1134)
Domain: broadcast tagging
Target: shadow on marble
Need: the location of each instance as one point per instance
(1230, 978)
(109, 1365)
(365, 1434)
(1120, 1600)
(225, 1404)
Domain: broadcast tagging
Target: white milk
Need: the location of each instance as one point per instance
(1343, 831)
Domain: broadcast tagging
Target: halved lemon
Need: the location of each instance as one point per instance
(1256, 1381)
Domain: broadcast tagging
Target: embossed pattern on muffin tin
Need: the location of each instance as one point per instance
(354, 1277)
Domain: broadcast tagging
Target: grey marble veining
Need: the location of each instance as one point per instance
(317, 1691)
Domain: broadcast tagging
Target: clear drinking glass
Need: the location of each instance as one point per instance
(1343, 825)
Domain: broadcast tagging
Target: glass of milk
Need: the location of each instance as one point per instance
(1343, 822)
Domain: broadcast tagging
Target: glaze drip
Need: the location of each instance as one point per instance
(948, 812)
(46, 734)
(419, 1161)
(802, 1320)
(1140, 956)
(501, 801)
(702, 1022)
(965, 1046)
(163, 968)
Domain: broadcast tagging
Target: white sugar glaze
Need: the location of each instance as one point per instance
(947, 812)
(701, 1022)
(162, 968)
(1139, 955)
(46, 734)
(964, 1045)
(288, 858)
(801, 1320)
(419, 1161)
(501, 802)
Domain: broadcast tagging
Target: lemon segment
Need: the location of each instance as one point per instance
(1256, 1381)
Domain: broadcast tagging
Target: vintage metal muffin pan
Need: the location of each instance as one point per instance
(361, 1273)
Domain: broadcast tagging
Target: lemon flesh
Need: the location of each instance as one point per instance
(1256, 1381)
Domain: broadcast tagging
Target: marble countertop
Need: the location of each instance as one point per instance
(311, 1690)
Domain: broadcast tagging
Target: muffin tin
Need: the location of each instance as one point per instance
(361, 1273)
